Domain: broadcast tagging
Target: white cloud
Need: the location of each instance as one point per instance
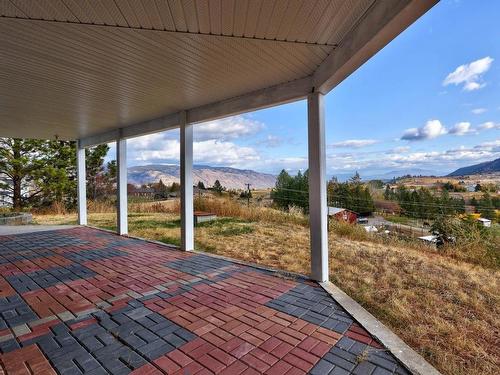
(478, 111)
(355, 143)
(401, 149)
(470, 75)
(432, 129)
(210, 151)
(212, 144)
(292, 163)
(227, 129)
(157, 141)
(492, 146)
(438, 161)
(161, 148)
(461, 128)
(223, 153)
(271, 141)
(489, 125)
(157, 152)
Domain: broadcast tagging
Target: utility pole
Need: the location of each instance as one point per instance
(248, 194)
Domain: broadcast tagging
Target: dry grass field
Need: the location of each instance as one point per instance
(445, 308)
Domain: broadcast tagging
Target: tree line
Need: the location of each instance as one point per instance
(423, 204)
(36, 173)
(293, 191)
(486, 206)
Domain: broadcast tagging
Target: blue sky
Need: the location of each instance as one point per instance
(429, 101)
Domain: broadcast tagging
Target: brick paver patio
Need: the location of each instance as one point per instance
(86, 301)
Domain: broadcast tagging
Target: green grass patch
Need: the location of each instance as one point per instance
(152, 224)
(101, 226)
(221, 221)
(227, 226)
(234, 230)
(170, 240)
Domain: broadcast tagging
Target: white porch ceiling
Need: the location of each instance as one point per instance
(76, 68)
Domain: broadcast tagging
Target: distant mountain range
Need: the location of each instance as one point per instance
(481, 168)
(233, 178)
(367, 175)
(230, 178)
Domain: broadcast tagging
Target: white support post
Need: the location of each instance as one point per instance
(318, 210)
(121, 188)
(187, 211)
(81, 185)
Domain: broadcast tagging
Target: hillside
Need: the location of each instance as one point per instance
(481, 168)
(231, 178)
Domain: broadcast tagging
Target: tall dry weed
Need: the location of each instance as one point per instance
(227, 207)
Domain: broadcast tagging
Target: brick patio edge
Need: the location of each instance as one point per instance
(286, 274)
(408, 357)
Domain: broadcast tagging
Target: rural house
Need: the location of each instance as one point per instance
(343, 214)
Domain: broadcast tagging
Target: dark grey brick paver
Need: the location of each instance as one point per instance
(351, 357)
(36, 245)
(146, 331)
(45, 278)
(96, 254)
(203, 264)
(15, 311)
(314, 305)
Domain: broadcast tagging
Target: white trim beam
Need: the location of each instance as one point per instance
(268, 97)
(152, 126)
(317, 187)
(99, 139)
(384, 21)
(136, 130)
(186, 172)
(121, 187)
(81, 184)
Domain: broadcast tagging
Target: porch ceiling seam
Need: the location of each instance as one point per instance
(144, 29)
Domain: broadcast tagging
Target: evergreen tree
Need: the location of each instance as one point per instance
(35, 172)
(422, 204)
(291, 191)
(175, 187)
(59, 178)
(280, 193)
(246, 194)
(496, 201)
(218, 188)
(486, 207)
(356, 179)
(161, 190)
(21, 168)
(201, 185)
(354, 197)
(474, 203)
(94, 165)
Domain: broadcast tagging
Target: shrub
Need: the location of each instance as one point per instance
(468, 240)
